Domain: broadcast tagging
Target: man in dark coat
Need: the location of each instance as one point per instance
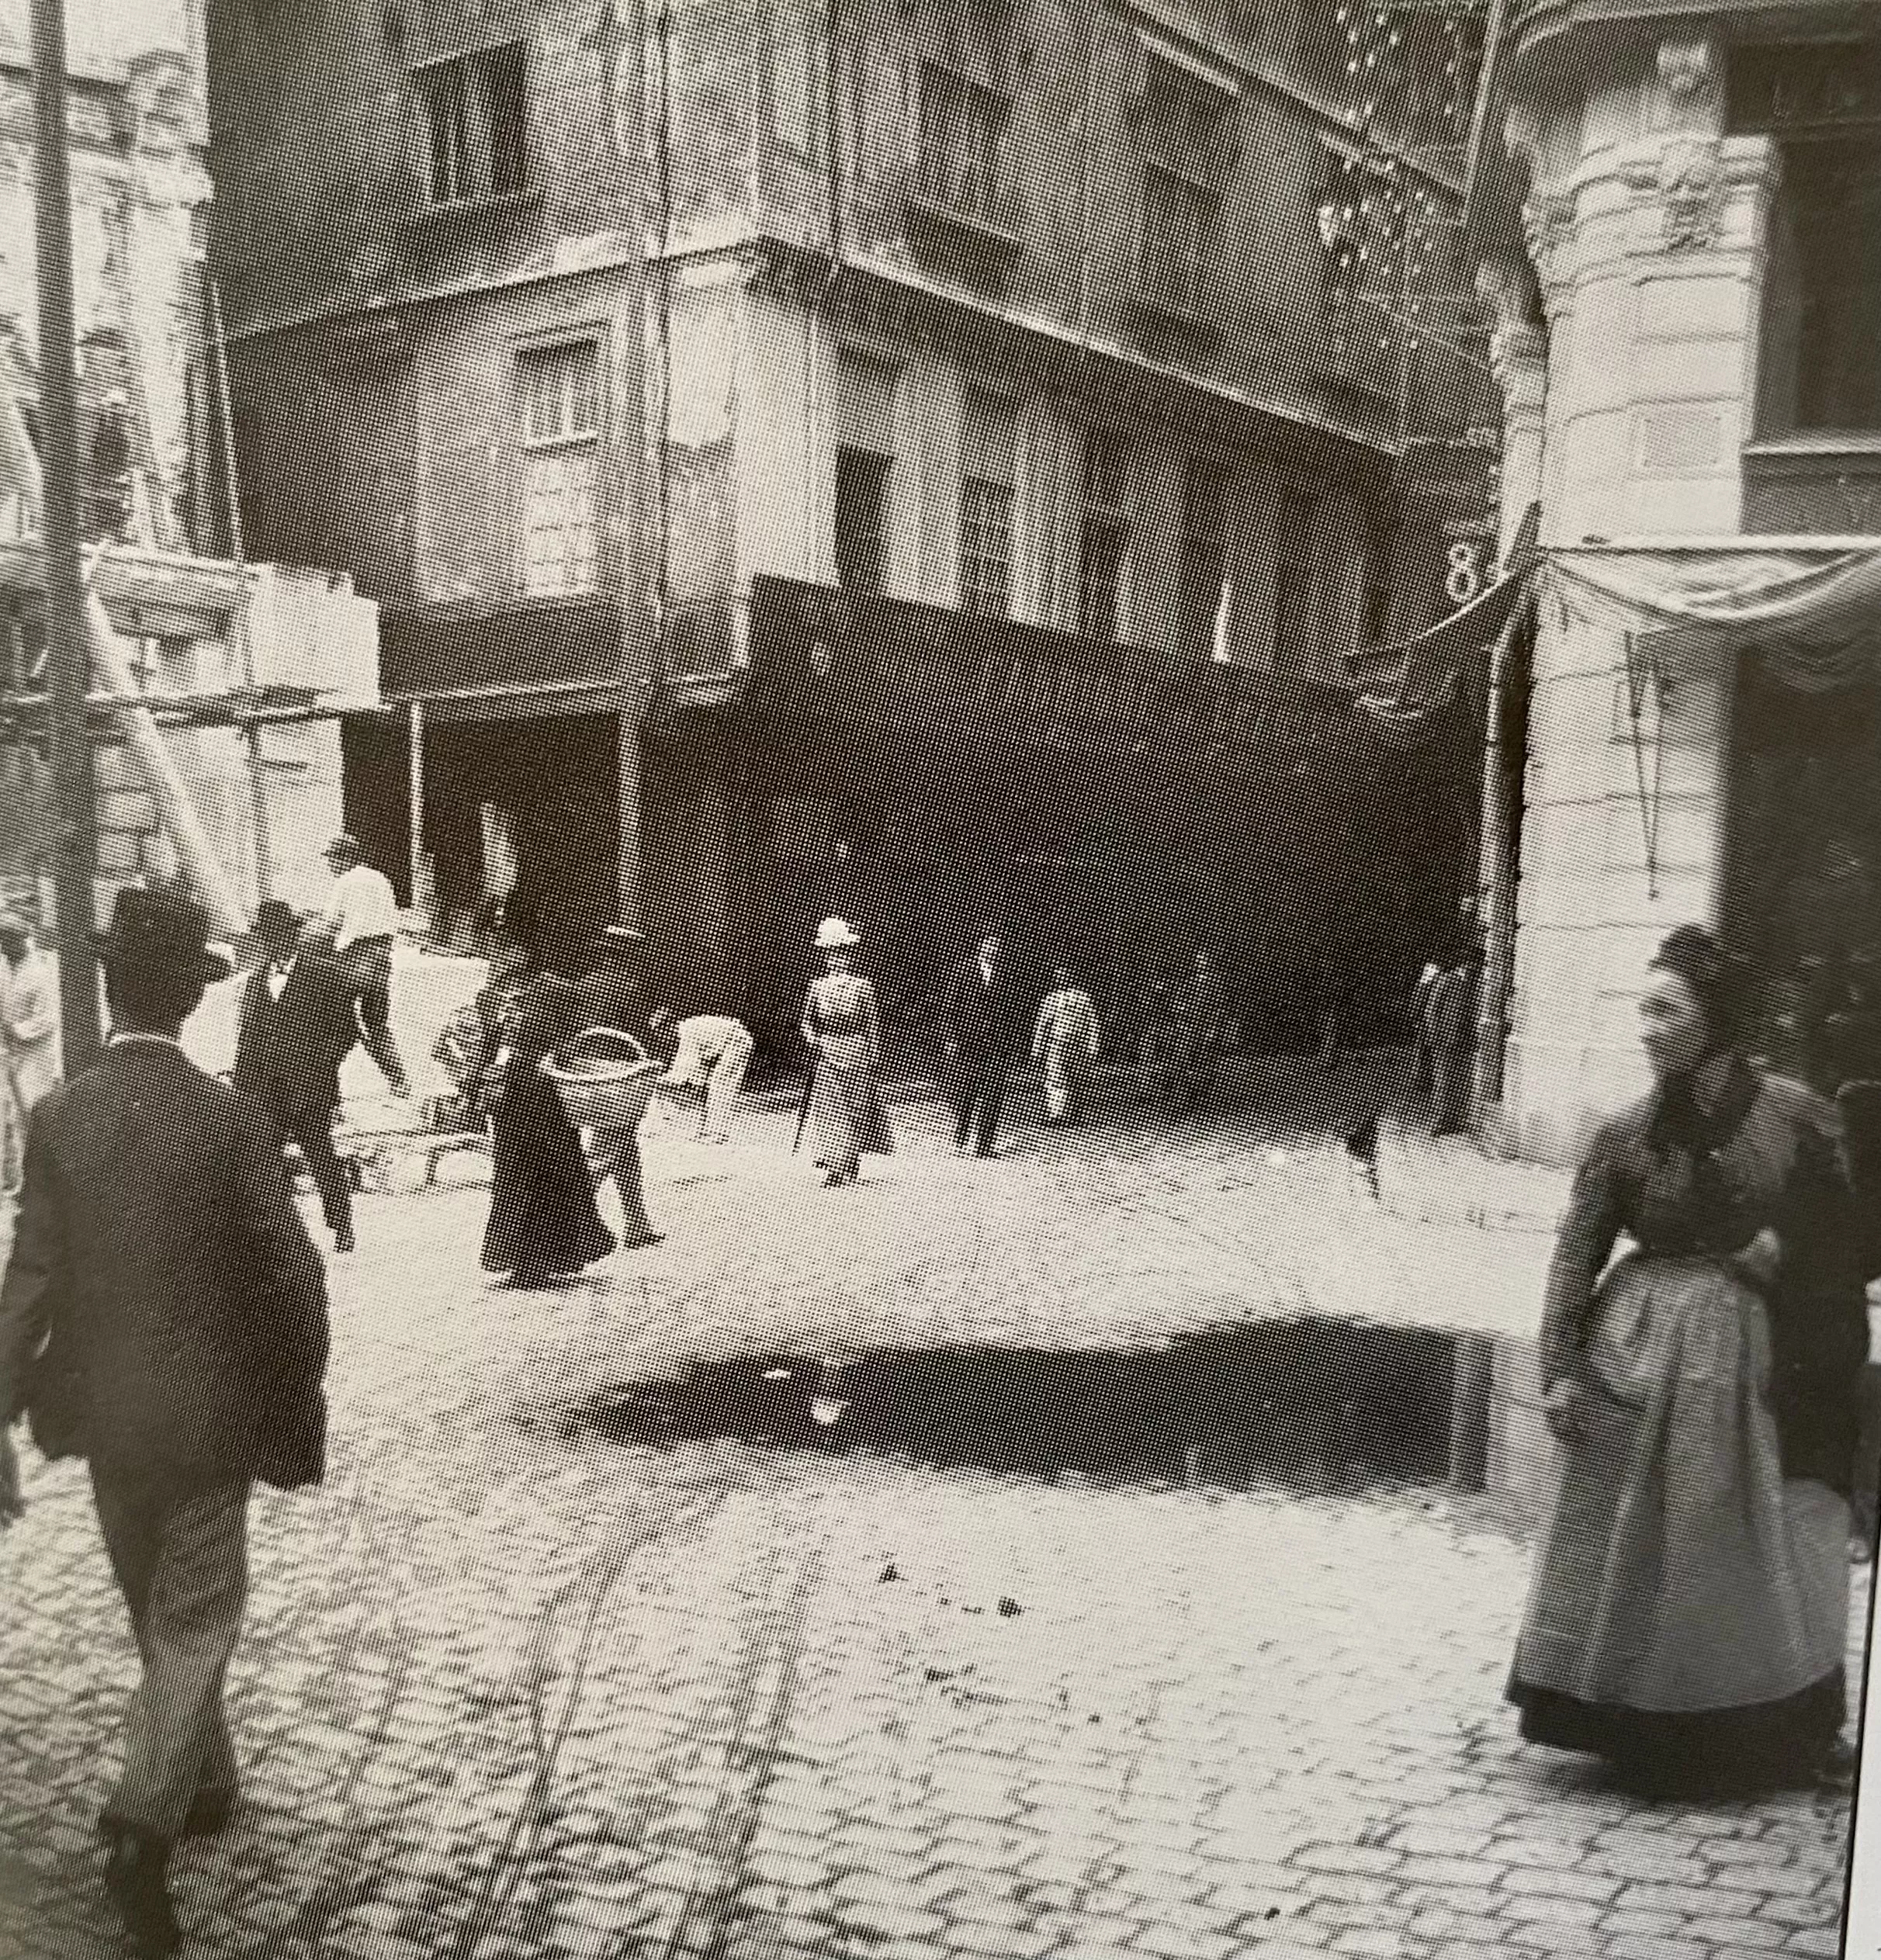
(164, 1316)
(982, 1010)
(1449, 1025)
(297, 1026)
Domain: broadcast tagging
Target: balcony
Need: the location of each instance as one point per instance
(1822, 483)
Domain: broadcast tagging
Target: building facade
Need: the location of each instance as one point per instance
(1001, 416)
(431, 243)
(184, 622)
(1675, 208)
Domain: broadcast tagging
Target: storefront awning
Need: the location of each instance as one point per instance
(1405, 690)
(1812, 616)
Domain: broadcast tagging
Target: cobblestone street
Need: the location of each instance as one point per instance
(512, 1690)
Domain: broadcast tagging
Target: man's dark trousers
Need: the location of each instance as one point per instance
(978, 1091)
(311, 1131)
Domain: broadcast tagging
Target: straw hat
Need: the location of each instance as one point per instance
(835, 935)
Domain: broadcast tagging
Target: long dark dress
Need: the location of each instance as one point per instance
(1688, 1616)
(543, 1222)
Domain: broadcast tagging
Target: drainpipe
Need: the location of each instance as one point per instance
(1496, 894)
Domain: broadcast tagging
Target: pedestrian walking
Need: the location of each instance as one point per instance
(164, 1318)
(29, 1041)
(1688, 1615)
(1449, 1028)
(543, 1225)
(980, 1012)
(1066, 1040)
(842, 1028)
(297, 1027)
(712, 1053)
(361, 922)
(613, 995)
(1197, 1011)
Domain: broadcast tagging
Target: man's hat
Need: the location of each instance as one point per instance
(154, 932)
(274, 915)
(344, 845)
(835, 935)
(622, 936)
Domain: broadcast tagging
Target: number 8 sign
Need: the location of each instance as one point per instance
(1465, 580)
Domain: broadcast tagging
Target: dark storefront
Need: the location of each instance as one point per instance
(521, 781)
(924, 773)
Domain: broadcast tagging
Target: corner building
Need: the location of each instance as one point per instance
(926, 461)
(1675, 208)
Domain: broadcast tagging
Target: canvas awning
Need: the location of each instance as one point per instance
(1812, 615)
(1405, 690)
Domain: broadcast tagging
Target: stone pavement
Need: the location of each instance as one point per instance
(512, 1692)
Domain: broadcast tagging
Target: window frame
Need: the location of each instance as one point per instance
(975, 524)
(468, 72)
(1204, 546)
(991, 102)
(569, 440)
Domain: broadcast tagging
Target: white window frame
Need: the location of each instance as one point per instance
(567, 443)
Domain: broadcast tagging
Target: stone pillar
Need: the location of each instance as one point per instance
(1650, 248)
(1647, 226)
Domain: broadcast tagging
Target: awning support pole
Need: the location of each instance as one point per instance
(1643, 677)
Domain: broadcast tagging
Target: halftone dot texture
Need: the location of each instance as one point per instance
(961, 518)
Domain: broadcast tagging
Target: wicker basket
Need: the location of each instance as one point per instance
(604, 1078)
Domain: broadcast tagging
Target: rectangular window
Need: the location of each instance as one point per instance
(1177, 232)
(1293, 590)
(962, 131)
(1204, 554)
(1185, 117)
(1832, 193)
(1106, 536)
(989, 473)
(476, 111)
(861, 513)
(561, 394)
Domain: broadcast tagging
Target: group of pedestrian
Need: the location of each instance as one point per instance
(985, 1024)
(545, 1224)
(164, 1318)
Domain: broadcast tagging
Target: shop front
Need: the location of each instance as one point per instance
(490, 782)
(927, 774)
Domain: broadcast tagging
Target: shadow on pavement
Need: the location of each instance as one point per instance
(1307, 1404)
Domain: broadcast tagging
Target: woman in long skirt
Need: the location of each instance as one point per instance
(543, 1223)
(1688, 1616)
(843, 1028)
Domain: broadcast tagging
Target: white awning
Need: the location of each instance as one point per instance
(1811, 613)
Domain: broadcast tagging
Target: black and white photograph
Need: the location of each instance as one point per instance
(939, 1013)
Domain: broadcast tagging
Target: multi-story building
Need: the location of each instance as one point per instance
(1675, 206)
(240, 806)
(1040, 404)
(430, 234)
